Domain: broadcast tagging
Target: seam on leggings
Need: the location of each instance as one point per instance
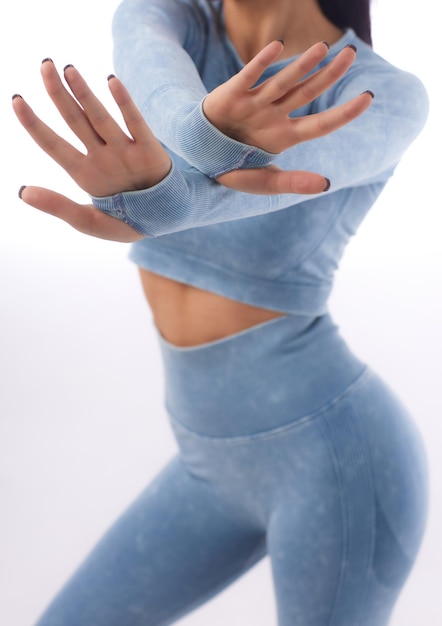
(372, 531)
(345, 515)
(279, 430)
(344, 520)
(373, 537)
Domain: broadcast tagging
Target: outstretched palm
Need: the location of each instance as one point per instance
(114, 162)
(259, 115)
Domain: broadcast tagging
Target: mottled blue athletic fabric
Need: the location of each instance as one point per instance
(278, 252)
(289, 447)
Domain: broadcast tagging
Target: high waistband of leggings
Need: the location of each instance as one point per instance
(262, 378)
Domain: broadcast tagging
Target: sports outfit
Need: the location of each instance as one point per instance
(289, 445)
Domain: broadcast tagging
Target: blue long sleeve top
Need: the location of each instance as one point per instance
(277, 252)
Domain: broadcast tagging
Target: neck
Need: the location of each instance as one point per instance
(252, 24)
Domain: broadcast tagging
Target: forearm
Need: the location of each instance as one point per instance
(362, 152)
(150, 57)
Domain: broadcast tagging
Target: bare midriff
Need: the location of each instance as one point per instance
(188, 316)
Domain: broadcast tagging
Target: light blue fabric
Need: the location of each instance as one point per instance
(278, 252)
(289, 446)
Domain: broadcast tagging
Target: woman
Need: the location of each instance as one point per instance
(289, 445)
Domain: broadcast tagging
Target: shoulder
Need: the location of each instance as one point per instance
(172, 12)
(399, 95)
(188, 21)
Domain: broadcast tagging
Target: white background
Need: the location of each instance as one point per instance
(82, 427)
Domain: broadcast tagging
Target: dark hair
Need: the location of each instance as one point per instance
(353, 14)
(349, 14)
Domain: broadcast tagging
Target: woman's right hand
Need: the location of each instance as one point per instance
(115, 162)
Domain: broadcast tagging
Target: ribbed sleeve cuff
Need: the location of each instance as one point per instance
(152, 212)
(209, 150)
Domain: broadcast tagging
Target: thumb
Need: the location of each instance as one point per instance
(83, 217)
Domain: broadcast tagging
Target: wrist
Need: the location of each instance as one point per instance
(211, 151)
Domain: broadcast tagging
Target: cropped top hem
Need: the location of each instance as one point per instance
(291, 298)
(280, 251)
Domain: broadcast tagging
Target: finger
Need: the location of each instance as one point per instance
(135, 122)
(272, 181)
(55, 146)
(326, 122)
(285, 80)
(99, 118)
(310, 88)
(84, 218)
(252, 72)
(68, 107)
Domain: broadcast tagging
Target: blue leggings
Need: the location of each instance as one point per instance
(289, 447)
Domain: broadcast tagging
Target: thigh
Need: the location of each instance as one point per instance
(346, 532)
(174, 548)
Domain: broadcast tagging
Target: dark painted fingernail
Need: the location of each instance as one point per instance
(370, 92)
(21, 190)
(327, 44)
(327, 184)
(352, 46)
(111, 76)
(282, 41)
(67, 66)
(46, 60)
(16, 95)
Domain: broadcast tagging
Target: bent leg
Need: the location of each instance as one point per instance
(174, 548)
(346, 532)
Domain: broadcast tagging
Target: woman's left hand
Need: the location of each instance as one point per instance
(260, 115)
(114, 162)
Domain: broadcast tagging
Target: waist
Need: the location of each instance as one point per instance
(267, 376)
(188, 316)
